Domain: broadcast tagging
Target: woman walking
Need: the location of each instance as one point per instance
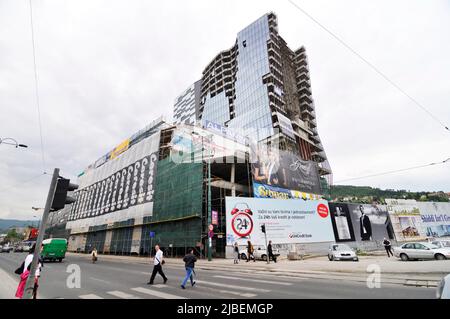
(236, 253)
(24, 271)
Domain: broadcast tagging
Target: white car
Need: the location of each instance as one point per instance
(416, 251)
(341, 252)
(443, 290)
(259, 253)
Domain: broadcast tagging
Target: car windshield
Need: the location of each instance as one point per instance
(341, 247)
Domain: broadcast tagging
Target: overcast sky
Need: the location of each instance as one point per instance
(108, 68)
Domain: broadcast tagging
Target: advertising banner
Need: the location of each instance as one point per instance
(283, 169)
(361, 222)
(121, 189)
(435, 218)
(406, 219)
(286, 221)
(122, 147)
(267, 191)
(342, 222)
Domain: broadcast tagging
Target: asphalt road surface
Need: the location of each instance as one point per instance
(127, 280)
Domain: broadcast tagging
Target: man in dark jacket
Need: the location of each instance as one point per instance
(270, 252)
(189, 264)
(388, 247)
(365, 225)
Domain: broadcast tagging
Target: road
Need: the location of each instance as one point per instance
(127, 280)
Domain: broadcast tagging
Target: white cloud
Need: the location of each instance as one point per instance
(107, 68)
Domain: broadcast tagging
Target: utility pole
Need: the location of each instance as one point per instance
(209, 204)
(28, 292)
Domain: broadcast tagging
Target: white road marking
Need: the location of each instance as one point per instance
(90, 296)
(232, 286)
(157, 293)
(122, 295)
(101, 280)
(256, 280)
(159, 286)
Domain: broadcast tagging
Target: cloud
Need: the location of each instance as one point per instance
(107, 68)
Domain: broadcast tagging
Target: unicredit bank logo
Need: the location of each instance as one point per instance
(299, 235)
(322, 210)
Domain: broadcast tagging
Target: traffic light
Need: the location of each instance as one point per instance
(61, 199)
(263, 228)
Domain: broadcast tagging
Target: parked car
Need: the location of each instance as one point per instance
(54, 249)
(341, 252)
(259, 253)
(6, 249)
(416, 251)
(18, 249)
(443, 289)
(441, 243)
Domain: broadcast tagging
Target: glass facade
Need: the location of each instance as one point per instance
(252, 111)
(250, 101)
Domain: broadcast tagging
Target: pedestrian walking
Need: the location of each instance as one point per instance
(158, 261)
(94, 255)
(270, 252)
(189, 264)
(388, 247)
(250, 251)
(24, 272)
(236, 253)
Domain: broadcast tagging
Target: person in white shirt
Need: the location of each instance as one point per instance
(37, 274)
(157, 266)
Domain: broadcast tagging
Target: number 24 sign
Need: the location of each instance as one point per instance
(242, 222)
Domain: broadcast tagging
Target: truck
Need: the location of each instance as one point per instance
(54, 249)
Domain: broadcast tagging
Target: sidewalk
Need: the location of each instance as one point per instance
(8, 286)
(392, 270)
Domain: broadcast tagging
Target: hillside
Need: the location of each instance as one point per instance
(370, 194)
(7, 223)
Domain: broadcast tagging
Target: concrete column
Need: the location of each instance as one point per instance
(232, 179)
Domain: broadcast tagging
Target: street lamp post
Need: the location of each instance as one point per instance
(209, 239)
(15, 143)
(209, 204)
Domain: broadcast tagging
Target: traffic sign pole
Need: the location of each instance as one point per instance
(28, 291)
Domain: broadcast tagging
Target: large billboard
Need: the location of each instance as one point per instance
(286, 221)
(406, 219)
(361, 222)
(121, 189)
(283, 169)
(435, 218)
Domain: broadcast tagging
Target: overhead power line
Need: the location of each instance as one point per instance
(394, 171)
(372, 66)
(37, 87)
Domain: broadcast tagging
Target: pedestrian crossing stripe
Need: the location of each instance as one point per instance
(255, 280)
(233, 287)
(90, 296)
(122, 295)
(157, 293)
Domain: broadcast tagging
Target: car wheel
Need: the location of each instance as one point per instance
(439, 257)
(404, 257)
(243, 256)
(331, 258)
(60, 259)
(264, 257)
(356, 259)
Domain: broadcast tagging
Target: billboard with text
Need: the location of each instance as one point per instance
(286, 221)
